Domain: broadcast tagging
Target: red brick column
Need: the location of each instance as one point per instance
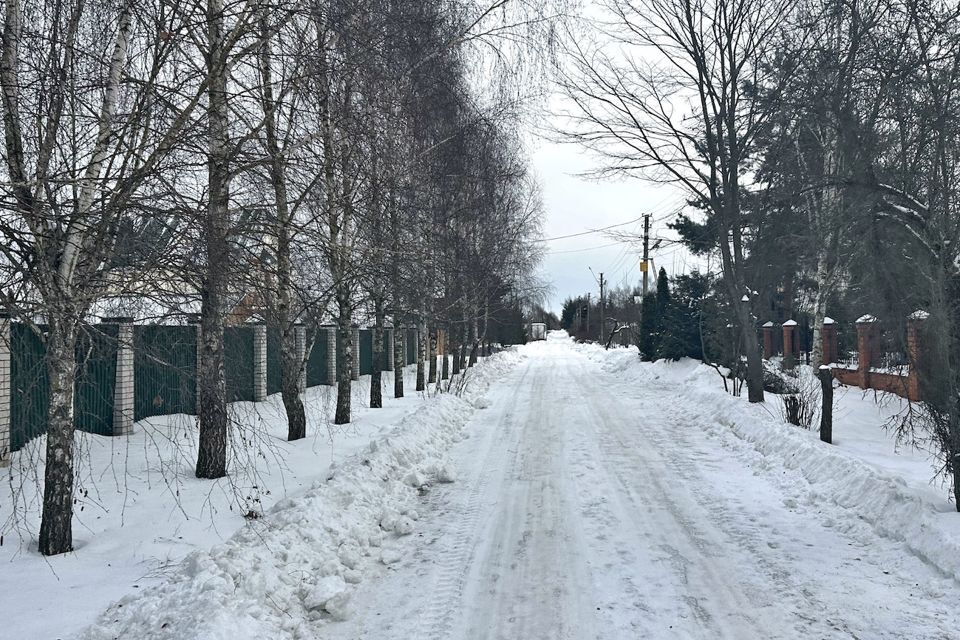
(791, 344)
(767, 330)
(828, 334)
(914, 342)
(866, 342)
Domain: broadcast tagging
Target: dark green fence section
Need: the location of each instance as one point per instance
(165, 371)
(29, 386)
(317, 362)
(274, 380)
(411, 345)
(96, 355)
(366, 352)
(238, 360)
(96, 379)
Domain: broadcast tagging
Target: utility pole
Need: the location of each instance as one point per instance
(644, 269)
(603, 311)
(588, 316)
(646, 251)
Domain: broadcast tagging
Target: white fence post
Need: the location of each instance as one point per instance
(259, 363)
(123, 390)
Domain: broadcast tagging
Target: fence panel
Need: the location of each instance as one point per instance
(29, 386)
(165, 370)
(411, 345)
(366, 352)
(317, 362)
(96, 379)
(238, 359)
(274, 364)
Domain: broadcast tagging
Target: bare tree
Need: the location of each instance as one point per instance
(678, 104)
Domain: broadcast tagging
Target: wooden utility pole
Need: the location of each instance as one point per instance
(603, 311)
(646, 251)
(644, 269)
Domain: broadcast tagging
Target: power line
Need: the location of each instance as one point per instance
(586, 233)
(602, 246)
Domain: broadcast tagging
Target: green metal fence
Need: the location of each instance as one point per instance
(274, 364)
(411, 345)
(29, 386)
(96, 355)
(165, 372)
(317, 361)
(165, 366)
(96, 379)
(366, 352)
(239, 363)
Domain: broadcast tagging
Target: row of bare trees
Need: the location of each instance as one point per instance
(818, 142)
(304, 160)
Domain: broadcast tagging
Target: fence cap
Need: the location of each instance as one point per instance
(790, 323)
(116, 320)
(919, 314)
(866, 319)
(767, 324)
(829, 320)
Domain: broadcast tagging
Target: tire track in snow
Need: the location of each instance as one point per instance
(455, 559)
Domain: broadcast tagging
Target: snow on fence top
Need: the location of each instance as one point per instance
(790, 323)
(866, 318)
(829, 320)
(919, 314)
(768, 324)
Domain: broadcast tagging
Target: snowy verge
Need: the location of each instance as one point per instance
(286, 573)
(890, 492)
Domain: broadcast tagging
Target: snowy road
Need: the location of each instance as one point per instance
(587, 507)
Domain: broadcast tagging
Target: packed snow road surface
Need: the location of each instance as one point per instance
(590, 506)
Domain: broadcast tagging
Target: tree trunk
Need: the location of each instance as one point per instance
(819, 310)
(432, 355)
(752, 350)
(399, 356)
(212, 453)
(826, 408)
(212, 401)
(376, 390)
(456, 353)
(422, 339)
(291, 366)
(474, 339)
(345, 358)
(56, 531)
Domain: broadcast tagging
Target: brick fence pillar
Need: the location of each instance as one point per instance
(5, 386)
(767, 331)
(828, 336)
(123, 390)
(259, 363)
(914, 349)
(355, 369)
(300, 345)
(791, 345)
(866, 346)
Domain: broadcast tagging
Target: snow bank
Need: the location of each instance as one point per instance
(890, 495)
(283, 574)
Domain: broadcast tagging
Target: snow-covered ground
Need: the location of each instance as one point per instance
(571, 492)
(600, 497)
(143, 511)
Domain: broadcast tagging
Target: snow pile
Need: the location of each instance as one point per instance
(287, 572)
(889, 492)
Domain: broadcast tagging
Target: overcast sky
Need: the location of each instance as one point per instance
(574, 205)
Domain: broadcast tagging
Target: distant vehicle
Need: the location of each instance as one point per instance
(538, 331)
